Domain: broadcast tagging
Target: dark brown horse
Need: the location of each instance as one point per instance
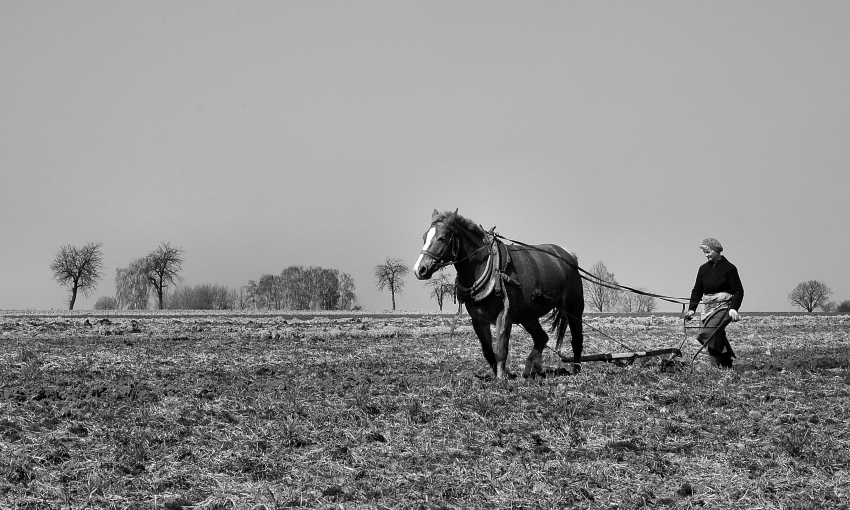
(505, 285)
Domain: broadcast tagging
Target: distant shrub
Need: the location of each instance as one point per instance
(300, 288)
(844, 307)
(200, 297)
(106, 303)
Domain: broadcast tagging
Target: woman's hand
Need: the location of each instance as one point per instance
(735, 316)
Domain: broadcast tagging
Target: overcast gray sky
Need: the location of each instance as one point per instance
(259, 135)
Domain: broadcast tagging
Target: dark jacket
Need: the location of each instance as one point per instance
(720, 276)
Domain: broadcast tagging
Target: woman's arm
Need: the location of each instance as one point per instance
(696, 293)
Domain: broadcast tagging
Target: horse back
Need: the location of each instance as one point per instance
(546, 270)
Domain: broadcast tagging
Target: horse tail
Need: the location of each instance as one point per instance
(559, 322)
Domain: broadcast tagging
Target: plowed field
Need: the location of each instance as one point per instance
(387, 411)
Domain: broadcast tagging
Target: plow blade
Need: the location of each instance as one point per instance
(613, 357)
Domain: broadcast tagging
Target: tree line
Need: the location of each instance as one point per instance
(601, 292)
(80, 270)
(157, 275)
(300, 288)
(605, 297)
(316, 288)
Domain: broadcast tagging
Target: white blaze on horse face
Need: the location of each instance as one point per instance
(429, 237)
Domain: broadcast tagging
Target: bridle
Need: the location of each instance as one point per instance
(453, 244)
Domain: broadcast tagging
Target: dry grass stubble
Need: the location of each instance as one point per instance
(391, 413)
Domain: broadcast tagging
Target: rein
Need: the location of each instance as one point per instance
(453, 246)
(597, 281)
(615, 286)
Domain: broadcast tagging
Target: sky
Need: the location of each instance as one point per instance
(258, 135)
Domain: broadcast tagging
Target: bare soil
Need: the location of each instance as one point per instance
(258, 411)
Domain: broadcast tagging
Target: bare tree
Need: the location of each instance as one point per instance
(809, 295)
(646, 304)
(296, 291)
(632, 302)
(161, 266)
(390, 275)
(238, 297)
(601, 293)
(347, 298)
(269, 292)
(132, 289)
(300, 288)
(252, 299)
(79, 268)
(441, 286)
(223, 298)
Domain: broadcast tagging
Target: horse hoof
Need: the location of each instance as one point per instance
(576, 368)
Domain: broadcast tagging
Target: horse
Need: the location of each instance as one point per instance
(503, 285)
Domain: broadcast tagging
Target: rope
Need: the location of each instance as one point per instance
(598, 281)
(592, 278)
(585, 275)
(618, 342)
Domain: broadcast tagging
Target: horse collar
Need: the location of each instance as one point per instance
(494, 276)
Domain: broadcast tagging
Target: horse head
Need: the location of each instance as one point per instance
(441, 245)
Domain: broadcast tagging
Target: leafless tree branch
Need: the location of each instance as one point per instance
(79, 268)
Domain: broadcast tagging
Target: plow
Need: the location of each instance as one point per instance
(624, 358)
(628, 357)
(489, 272)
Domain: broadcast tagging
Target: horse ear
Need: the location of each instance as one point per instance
(452, 216)
(435, 215)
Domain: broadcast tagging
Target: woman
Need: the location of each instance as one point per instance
(719, 288)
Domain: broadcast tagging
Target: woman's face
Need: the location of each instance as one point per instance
(710, 254)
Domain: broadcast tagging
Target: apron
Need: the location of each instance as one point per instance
(715, 318)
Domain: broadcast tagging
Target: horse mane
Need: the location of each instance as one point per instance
(462, 222)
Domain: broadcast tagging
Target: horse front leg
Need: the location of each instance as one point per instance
(503, 329)
(485, 337)
(534, 363)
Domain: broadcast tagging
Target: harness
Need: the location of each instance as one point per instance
(495, 276)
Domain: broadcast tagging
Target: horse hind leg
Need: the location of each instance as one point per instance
(534, 362)
(577, 340)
